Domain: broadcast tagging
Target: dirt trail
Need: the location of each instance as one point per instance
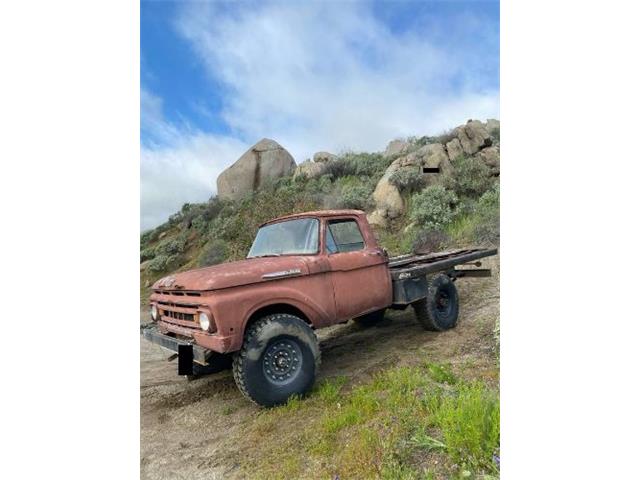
(194, 429)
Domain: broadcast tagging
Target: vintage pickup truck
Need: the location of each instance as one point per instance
(303, 272)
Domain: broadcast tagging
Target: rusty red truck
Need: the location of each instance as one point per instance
(303, 272)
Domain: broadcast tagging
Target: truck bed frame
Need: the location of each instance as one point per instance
(409, 272)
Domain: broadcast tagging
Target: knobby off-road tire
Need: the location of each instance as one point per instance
(439, 311)
(370, 319)
(279, 358)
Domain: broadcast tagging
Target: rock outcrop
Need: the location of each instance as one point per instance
(387, 197)
(395, 147)
(491, 158)
(454, 149)
(310, 169)
(266, 160)
(473, 136)
(471, 139)
(323, 157)
(389, 202)
(315, 168)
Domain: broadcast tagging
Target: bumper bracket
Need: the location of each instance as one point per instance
(187, 352)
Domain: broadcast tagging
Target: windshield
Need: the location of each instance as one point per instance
(286, 238)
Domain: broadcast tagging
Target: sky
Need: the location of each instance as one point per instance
(216, 77)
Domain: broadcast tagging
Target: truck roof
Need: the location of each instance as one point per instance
(316, 213)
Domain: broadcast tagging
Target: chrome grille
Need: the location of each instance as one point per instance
(178, 315)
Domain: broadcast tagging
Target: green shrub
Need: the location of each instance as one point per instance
(433, 208)
(490, 200)
(162, 262)
(152, 235)
(238, 222)
(214, 253)
(213, 208)
(360, 164)
(358, 197)
(173, 246)
(408, 179)
(487, 228)
(470, 177)
(147, 237)
(147, 254)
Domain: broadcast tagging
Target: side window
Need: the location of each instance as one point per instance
(344, 236)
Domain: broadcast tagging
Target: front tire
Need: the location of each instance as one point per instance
(439, 311)
(279, 358)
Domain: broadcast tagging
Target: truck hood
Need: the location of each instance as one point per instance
(235, 274)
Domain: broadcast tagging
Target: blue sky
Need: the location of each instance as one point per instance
(216, 77)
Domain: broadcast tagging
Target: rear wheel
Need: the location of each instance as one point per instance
(370, 318)
(279, 358)
(439, 311)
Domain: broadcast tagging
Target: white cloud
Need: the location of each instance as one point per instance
(182, 169)
(321, 76)
(330, 77)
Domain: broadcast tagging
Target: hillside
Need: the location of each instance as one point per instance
(456, 207)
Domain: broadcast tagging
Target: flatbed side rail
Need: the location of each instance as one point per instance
(418, 265)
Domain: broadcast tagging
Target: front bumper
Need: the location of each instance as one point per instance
(186, 350)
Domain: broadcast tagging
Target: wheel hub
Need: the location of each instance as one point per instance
(442, 301)
(282, 361)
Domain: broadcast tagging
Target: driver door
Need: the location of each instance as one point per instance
(359, 273)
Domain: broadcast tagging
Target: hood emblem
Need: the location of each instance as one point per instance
(283, 273)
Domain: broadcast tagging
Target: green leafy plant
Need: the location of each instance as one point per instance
(214, 253)
(358, 197)
(408, 179)
(470, 177)
(147, 254)
(487, 229)
(433, 208)
(162, 262)
(495, 133)
(365, 164)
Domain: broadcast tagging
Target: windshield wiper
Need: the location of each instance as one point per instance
(267, 255)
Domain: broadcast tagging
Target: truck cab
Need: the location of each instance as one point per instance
(324, 266)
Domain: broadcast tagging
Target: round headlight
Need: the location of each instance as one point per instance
(205, 323)
(154, 312)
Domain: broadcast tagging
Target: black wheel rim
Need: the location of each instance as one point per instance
(443, 302)
(282, 361)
